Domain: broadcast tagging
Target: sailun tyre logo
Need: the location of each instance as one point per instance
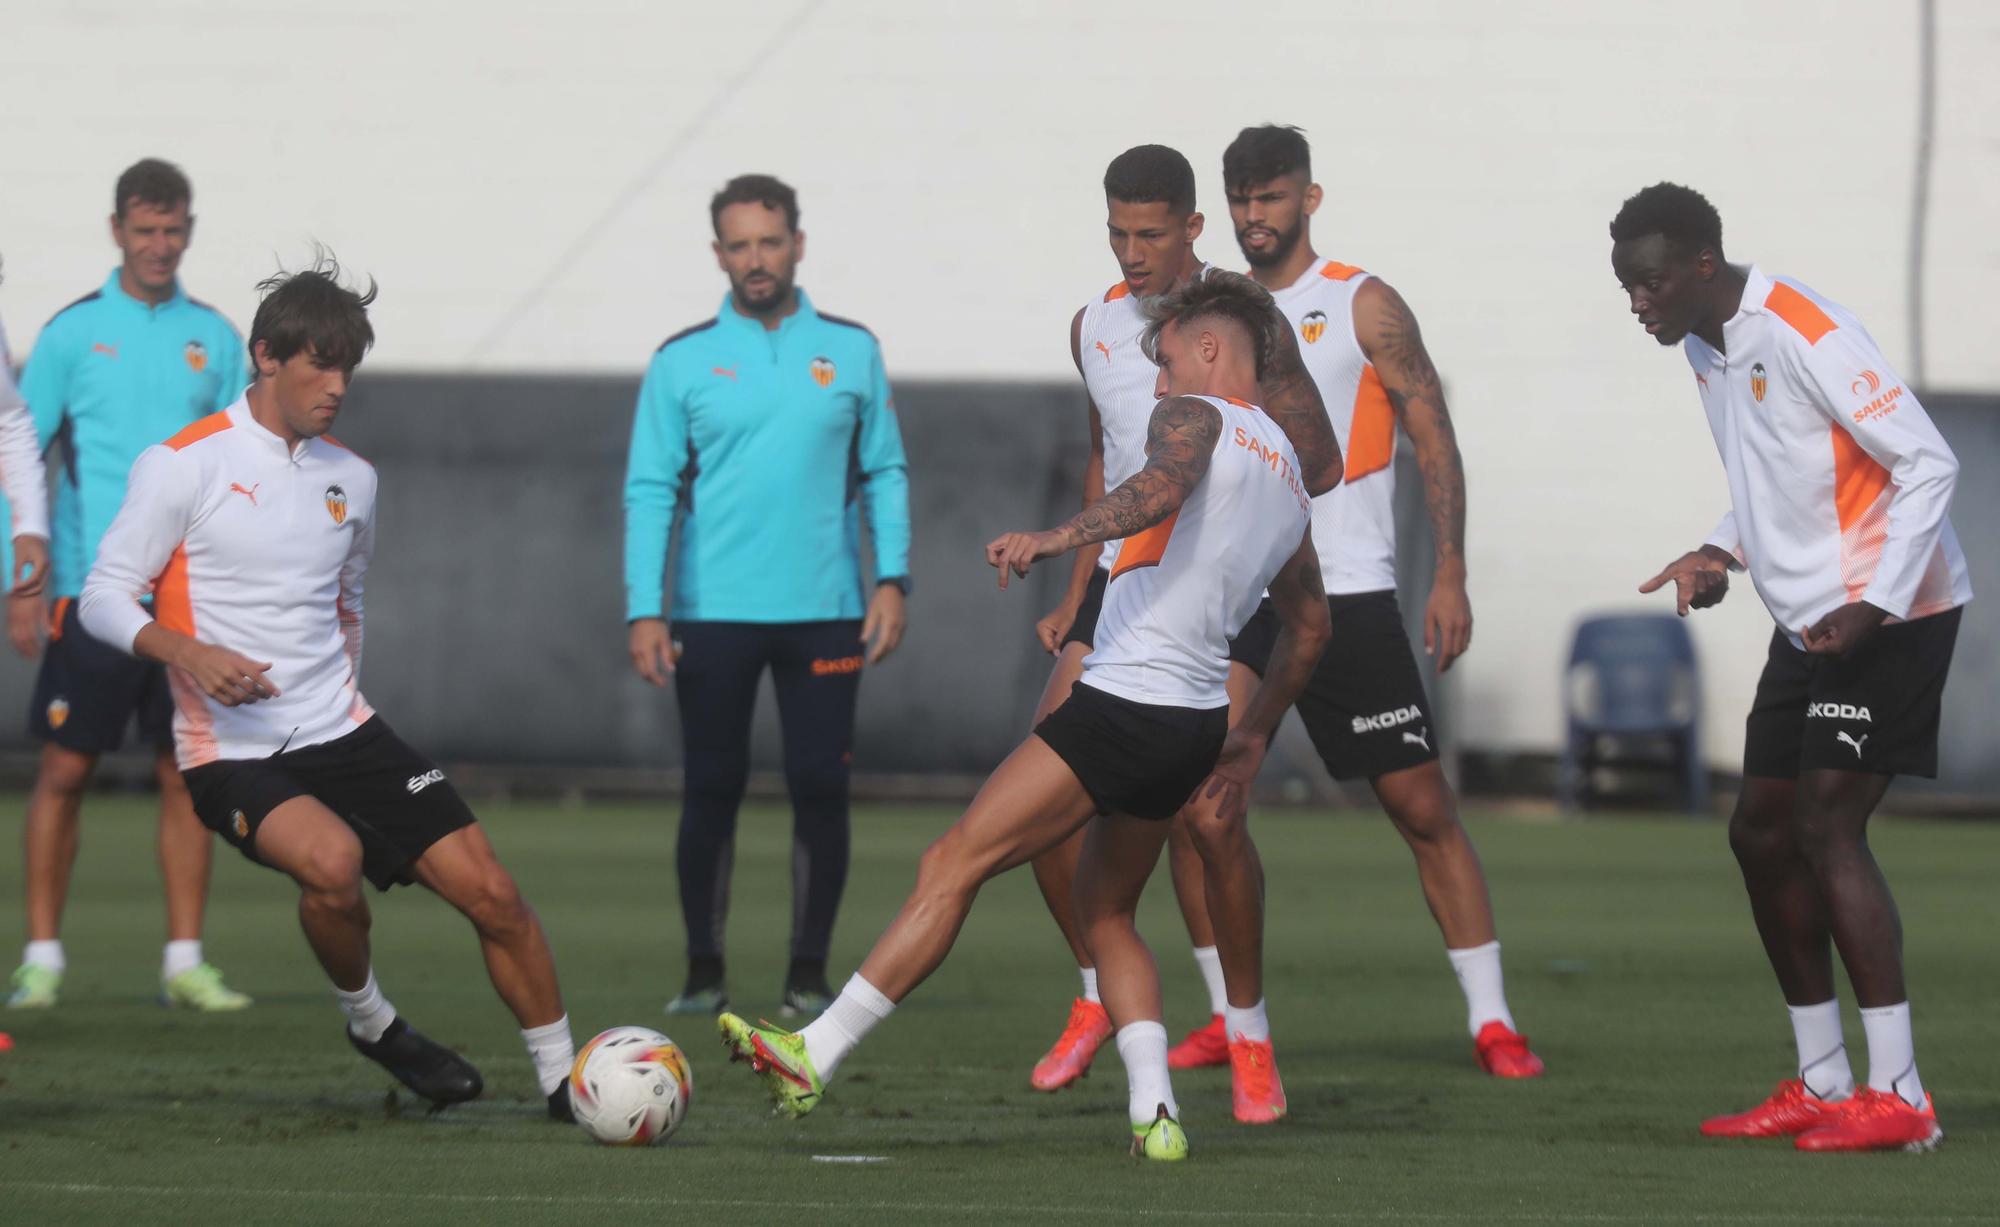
(1313, 327)
(1868, 383)
(822, 371)
(336, 504)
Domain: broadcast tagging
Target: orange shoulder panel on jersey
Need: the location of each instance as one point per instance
(1371, 435)
(195, 432)
(1802, 313)
(1144, 549)
(1117, 292)
(1242, 404)
(350, 451)
(1858, 479)
(1334, 270)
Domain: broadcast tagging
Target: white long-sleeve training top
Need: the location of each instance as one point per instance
(22, 480)
(1840, 486)
(253, 546)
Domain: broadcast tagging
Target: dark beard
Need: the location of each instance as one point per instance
(781, 291)
(1288, 242)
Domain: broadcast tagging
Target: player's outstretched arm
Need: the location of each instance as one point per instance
(1304, 627)
(1390, 339)
(1180, 443)
(1292, 400)
(1700, 578)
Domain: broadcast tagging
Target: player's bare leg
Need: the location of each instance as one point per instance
(464, 871)
(49, 841)
(1031, 802)
(1088, 1026)
(1119, 855)
(186, 854)
(1207, 1044)
(305, 841)
(1420, 802)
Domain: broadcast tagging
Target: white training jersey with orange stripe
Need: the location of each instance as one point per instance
(1183, 588)
(253, 546)
(1120, 379)
(1840, 487)
(1354, 524)
(22, 481)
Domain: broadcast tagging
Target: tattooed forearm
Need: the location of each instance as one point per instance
(1180, 441)
(1292, 400)
(1417, 395)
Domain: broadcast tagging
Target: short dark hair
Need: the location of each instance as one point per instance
(1259, 155)
(154, 182)
(1681, 214)
(1219, 295)
(767, 190)
(311, 309)
(1144, 174)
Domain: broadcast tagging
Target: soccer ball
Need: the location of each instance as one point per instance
(630, 1087)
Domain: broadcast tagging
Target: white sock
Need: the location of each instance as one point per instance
(1089, 975)
(1249, 1022)
(1478, 969)
(853, 1014)
(178, 957)
(1143, 1048)
(1210, 962)
(1892, 1053)
(368, 1011)
(1822, 1050)
(552, 1051)
(47, 954)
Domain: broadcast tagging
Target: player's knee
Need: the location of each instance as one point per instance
(717, 777)
(330, 875)
(495, 906)
(822, 781)
(1759, 842)
(64, 773)
(947, 866)
(1216, 838)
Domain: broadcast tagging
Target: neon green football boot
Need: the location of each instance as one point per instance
(1164, 1139)
(780, 1057)
(201, 988)
(34, 987)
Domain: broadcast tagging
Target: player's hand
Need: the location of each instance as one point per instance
(31, 566)
(28, 625)
(883, 625)
(1843, 630)
(1700, 578)
(653, 650)
(1235, 771)
(1017, 552)
(1051, 629)
(230, 678)
(1448, 619)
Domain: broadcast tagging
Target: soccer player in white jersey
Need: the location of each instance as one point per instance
(1152, 225)
(1840, 493)
(1218, 513)
(252, 528)
(1365, 707)
(24, 485)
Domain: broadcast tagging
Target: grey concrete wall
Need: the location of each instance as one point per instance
(495, 605)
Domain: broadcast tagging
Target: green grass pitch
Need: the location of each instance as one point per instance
(1630, 957)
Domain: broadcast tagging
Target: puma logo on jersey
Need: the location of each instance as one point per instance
(1419, 738)
(1702, 380)
(727, 372)
(1104, 349)
(251, 493)
(1837, 711)
(109, 351)
(1388, 720)
(420, 782)
(1841, 736)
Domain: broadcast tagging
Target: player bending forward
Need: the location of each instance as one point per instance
(253, 527)
(1217, 514)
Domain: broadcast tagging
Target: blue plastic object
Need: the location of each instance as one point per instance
(1631, 678)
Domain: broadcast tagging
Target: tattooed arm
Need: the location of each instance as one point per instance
(1390, 340)
(1292, 400)
(1180, 442)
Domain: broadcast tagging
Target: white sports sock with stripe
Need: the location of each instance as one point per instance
(1823, 1063)
(552, 1050)
(1089, 975)
(368, 1011)
(1892, 1053)
(1210, 961)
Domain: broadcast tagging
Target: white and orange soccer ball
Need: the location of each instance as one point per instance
(630, 1086)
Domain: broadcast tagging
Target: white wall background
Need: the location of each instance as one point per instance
(528, 183)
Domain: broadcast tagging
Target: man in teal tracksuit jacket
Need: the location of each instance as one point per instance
(118, 370)
(766, 434)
